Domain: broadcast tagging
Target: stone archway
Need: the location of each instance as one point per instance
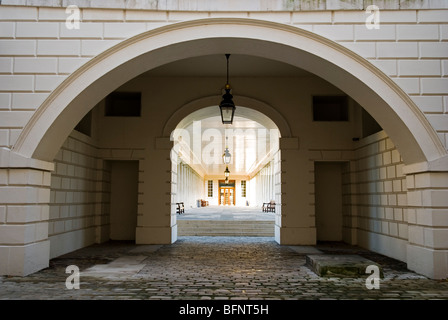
(392, 108)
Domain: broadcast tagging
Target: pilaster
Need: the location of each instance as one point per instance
(156, 220)
(427, 251)
(24, 213)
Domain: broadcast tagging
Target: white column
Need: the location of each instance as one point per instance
(24, 213)
(296, 225)
(157, 224)
(427, 213)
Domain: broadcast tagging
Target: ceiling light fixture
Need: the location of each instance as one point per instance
(226, 156)
(227, 107)
(227, 174)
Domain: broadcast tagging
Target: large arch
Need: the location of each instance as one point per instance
(377, 93)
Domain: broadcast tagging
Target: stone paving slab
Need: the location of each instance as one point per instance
(305, 249)
(122, 267)
(347, 265)
(215, 268)
(112, 272)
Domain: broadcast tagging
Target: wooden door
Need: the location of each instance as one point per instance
(123, 199)
(227, 193)
(328, 193)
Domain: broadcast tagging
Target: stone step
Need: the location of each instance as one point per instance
(225, 228)
(328, 265)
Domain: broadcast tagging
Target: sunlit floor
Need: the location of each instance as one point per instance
(226, 213)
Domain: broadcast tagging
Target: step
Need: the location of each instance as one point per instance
(328, 265)
(225, 228)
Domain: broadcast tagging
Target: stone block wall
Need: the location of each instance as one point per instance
(379, 197)
(77, 202)
(374, 194)
(427, 217)
(24, 214)
(38, 51)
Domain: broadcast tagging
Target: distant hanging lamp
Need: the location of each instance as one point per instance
(226, 156)
(227, 107)
(227, 174)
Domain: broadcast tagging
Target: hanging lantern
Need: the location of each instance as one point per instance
(227, 172)
(227, 107)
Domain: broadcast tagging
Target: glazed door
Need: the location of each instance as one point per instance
(226, 195)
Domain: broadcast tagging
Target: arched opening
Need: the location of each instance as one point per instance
(209, 205)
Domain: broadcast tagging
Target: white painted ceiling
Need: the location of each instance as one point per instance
(215, 66)
(248, 141)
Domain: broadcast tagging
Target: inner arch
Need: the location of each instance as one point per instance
(234, 206)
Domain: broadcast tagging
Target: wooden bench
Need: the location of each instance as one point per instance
(204, 203)
(180, 208)
(271, 206)
(264, 208)
(268, 206)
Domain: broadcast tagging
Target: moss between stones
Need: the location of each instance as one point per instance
(337, 266)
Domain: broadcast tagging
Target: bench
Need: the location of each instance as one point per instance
(204, 203)
(180, 208)
(268, 206)
(264, 208)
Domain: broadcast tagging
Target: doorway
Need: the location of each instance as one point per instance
(226, 192)
(328, 200)
(124, 199)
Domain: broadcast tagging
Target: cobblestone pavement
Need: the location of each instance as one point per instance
(196, 268)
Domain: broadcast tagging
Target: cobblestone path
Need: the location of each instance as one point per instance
(205, 268)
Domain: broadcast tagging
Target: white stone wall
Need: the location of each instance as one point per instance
(374, 194)
(79, 213)
(427, 223)
(379, 197)
(76, 197)
(236, 5)
(24, 212)
(37, 51)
